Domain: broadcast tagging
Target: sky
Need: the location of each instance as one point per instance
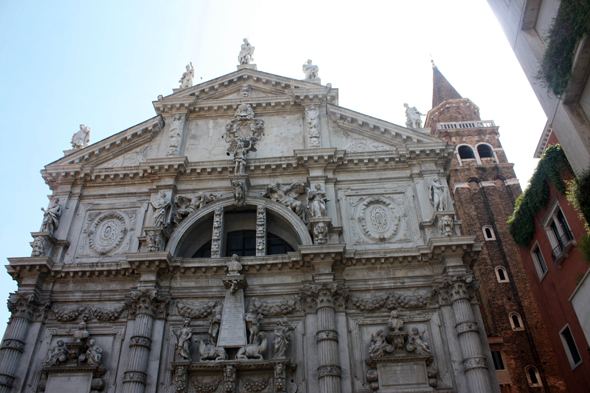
(101, 63)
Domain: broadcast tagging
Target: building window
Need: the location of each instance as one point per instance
(497, 358)
(539, 261)
(241, 243)
(488, 233)
(559, 233)
(532, 375)
(516, 321)
(501, 274)
(204, 251)
(571, 349)
(466, 153)
(485, 152)
(276, 245)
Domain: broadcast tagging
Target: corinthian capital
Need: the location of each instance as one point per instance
(24, 306)
(456, 287)
(324, 295)
(148, 302)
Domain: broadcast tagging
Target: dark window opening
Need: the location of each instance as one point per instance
(204, 251)
(533, 376)
(516, 321)
(502, 274)
(498, 363)
(241, 243)
(567, 234)
(571, 345)
(485, 151)
(489, 234)
(466, 152)
(540, 259)
(276, 245)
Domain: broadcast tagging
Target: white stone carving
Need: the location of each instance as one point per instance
(413, 119)
(215, 321)
(395, 323)
(133, 158)
(51, 217)
(210, 351)
(107, 233)
(282, 339)
(255, 350)
(246, 53)
(81, 138)
(287, 194)
(56, 355)
(379, 346)
(186, 80)
(175, 136)
(437, 195)
(312, 114)
(161, 210)
(446, 225)
(183, 340)
(316, 202)
(93, 353)
(378, 218)
(310, 70)
(239, 192)
(81, 334)
(38, 246)
(234, 266)
(320, 232)
(217, 229)
(260, 230)
(357, 143)
(253, 325)
(188, 204)
(242, 133)
(245, 91)
(417, 344)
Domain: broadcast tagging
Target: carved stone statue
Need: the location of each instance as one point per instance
(215, 322)
(175, 136)
(316, 202)
(252, 324)
(246, 53)
(210, 351)
(161, 208)
(234, 266)
(56, 355)
(186, 205)
(379, 345)
(93, 353)
(310, 70)
(286, 195)
(282, 339)
(51, 217)
(81, 138)
(186, 80)
(81, 334)
(239, 192)
(254, 350)
(38, 246)
(243, 146)
(436, 193)
(183, 340)
(320, 233)
(413, 119)
(415, 343)
(395, 323)
(245, 91)
(280, 376)
(312, 114)
(446, 225)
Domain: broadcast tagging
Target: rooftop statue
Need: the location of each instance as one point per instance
(186, 80)
(413, 119)
(310, 70)
(81, 138)
(246, 53)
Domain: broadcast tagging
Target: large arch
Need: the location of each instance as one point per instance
(278, 209)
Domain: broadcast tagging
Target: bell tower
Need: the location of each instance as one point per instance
(484, 187)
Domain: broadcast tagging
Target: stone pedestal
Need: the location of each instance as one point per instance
(247, 66)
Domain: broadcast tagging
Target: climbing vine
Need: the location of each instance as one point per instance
(578, 194)
(571, 23)
(551, 167)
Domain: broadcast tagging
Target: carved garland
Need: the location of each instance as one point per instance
(196, 311)
(392, 301)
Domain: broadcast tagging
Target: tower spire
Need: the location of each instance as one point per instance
(442, 90)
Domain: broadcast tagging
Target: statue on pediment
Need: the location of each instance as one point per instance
(81, 138)
(51, 217)
(186, 80)
(310, 70)
(246, 53)
(413, 119)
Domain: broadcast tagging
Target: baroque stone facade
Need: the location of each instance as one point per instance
(320, 252)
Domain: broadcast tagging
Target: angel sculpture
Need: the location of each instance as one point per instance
(415, 343)
(378, 345)
(240, 147)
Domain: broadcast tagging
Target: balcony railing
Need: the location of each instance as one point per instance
(564, 245)
(459, 125)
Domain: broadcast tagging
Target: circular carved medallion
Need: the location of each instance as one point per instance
(107, 233)
(378, 219)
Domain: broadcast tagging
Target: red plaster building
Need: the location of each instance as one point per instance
(484, 188)
(555, 267)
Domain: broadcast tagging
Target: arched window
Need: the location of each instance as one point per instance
(516, 321)
(485, 151)
(502, 274)
(241, 243)
(532, 375)
(488, 233)
(466, 153)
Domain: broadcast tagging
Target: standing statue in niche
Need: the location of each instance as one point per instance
(183, 340)
(395, 323)
(93, 353)
(186, 80)
(282, 339)
(246, 53)
(415, 343)
(316, 202)
(310, 70)
(81, 138)
(215, 322)
(56, 355)
(51, 217)
(243, 146)
(161, 208)
(436, 193)
(413, 119)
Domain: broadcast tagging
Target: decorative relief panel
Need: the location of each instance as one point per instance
(107, 233)
(133, 158)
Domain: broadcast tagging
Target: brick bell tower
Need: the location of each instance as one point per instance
(484, 187)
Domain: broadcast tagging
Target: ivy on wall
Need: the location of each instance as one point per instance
(571, 23)
(551, 167)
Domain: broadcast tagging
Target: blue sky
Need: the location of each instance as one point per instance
(101, 63)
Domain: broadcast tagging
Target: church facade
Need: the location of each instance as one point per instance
(253, 236)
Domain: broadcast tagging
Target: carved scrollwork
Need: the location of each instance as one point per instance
(196, 311)
(392, 301)
(201, 387)
(466, 327)
(326, 335)
(135, 376)
(475, 362)
(179, 380)
(140, 341)
(107, 233)
(324, 295)
(331, 369)
(13, 344)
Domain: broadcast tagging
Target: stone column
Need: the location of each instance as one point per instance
(23, 310)
(217, 237)
(144, 307)
(474, 362)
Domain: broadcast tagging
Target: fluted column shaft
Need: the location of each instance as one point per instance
(327, 340)
(474, 362)
(11, 351)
